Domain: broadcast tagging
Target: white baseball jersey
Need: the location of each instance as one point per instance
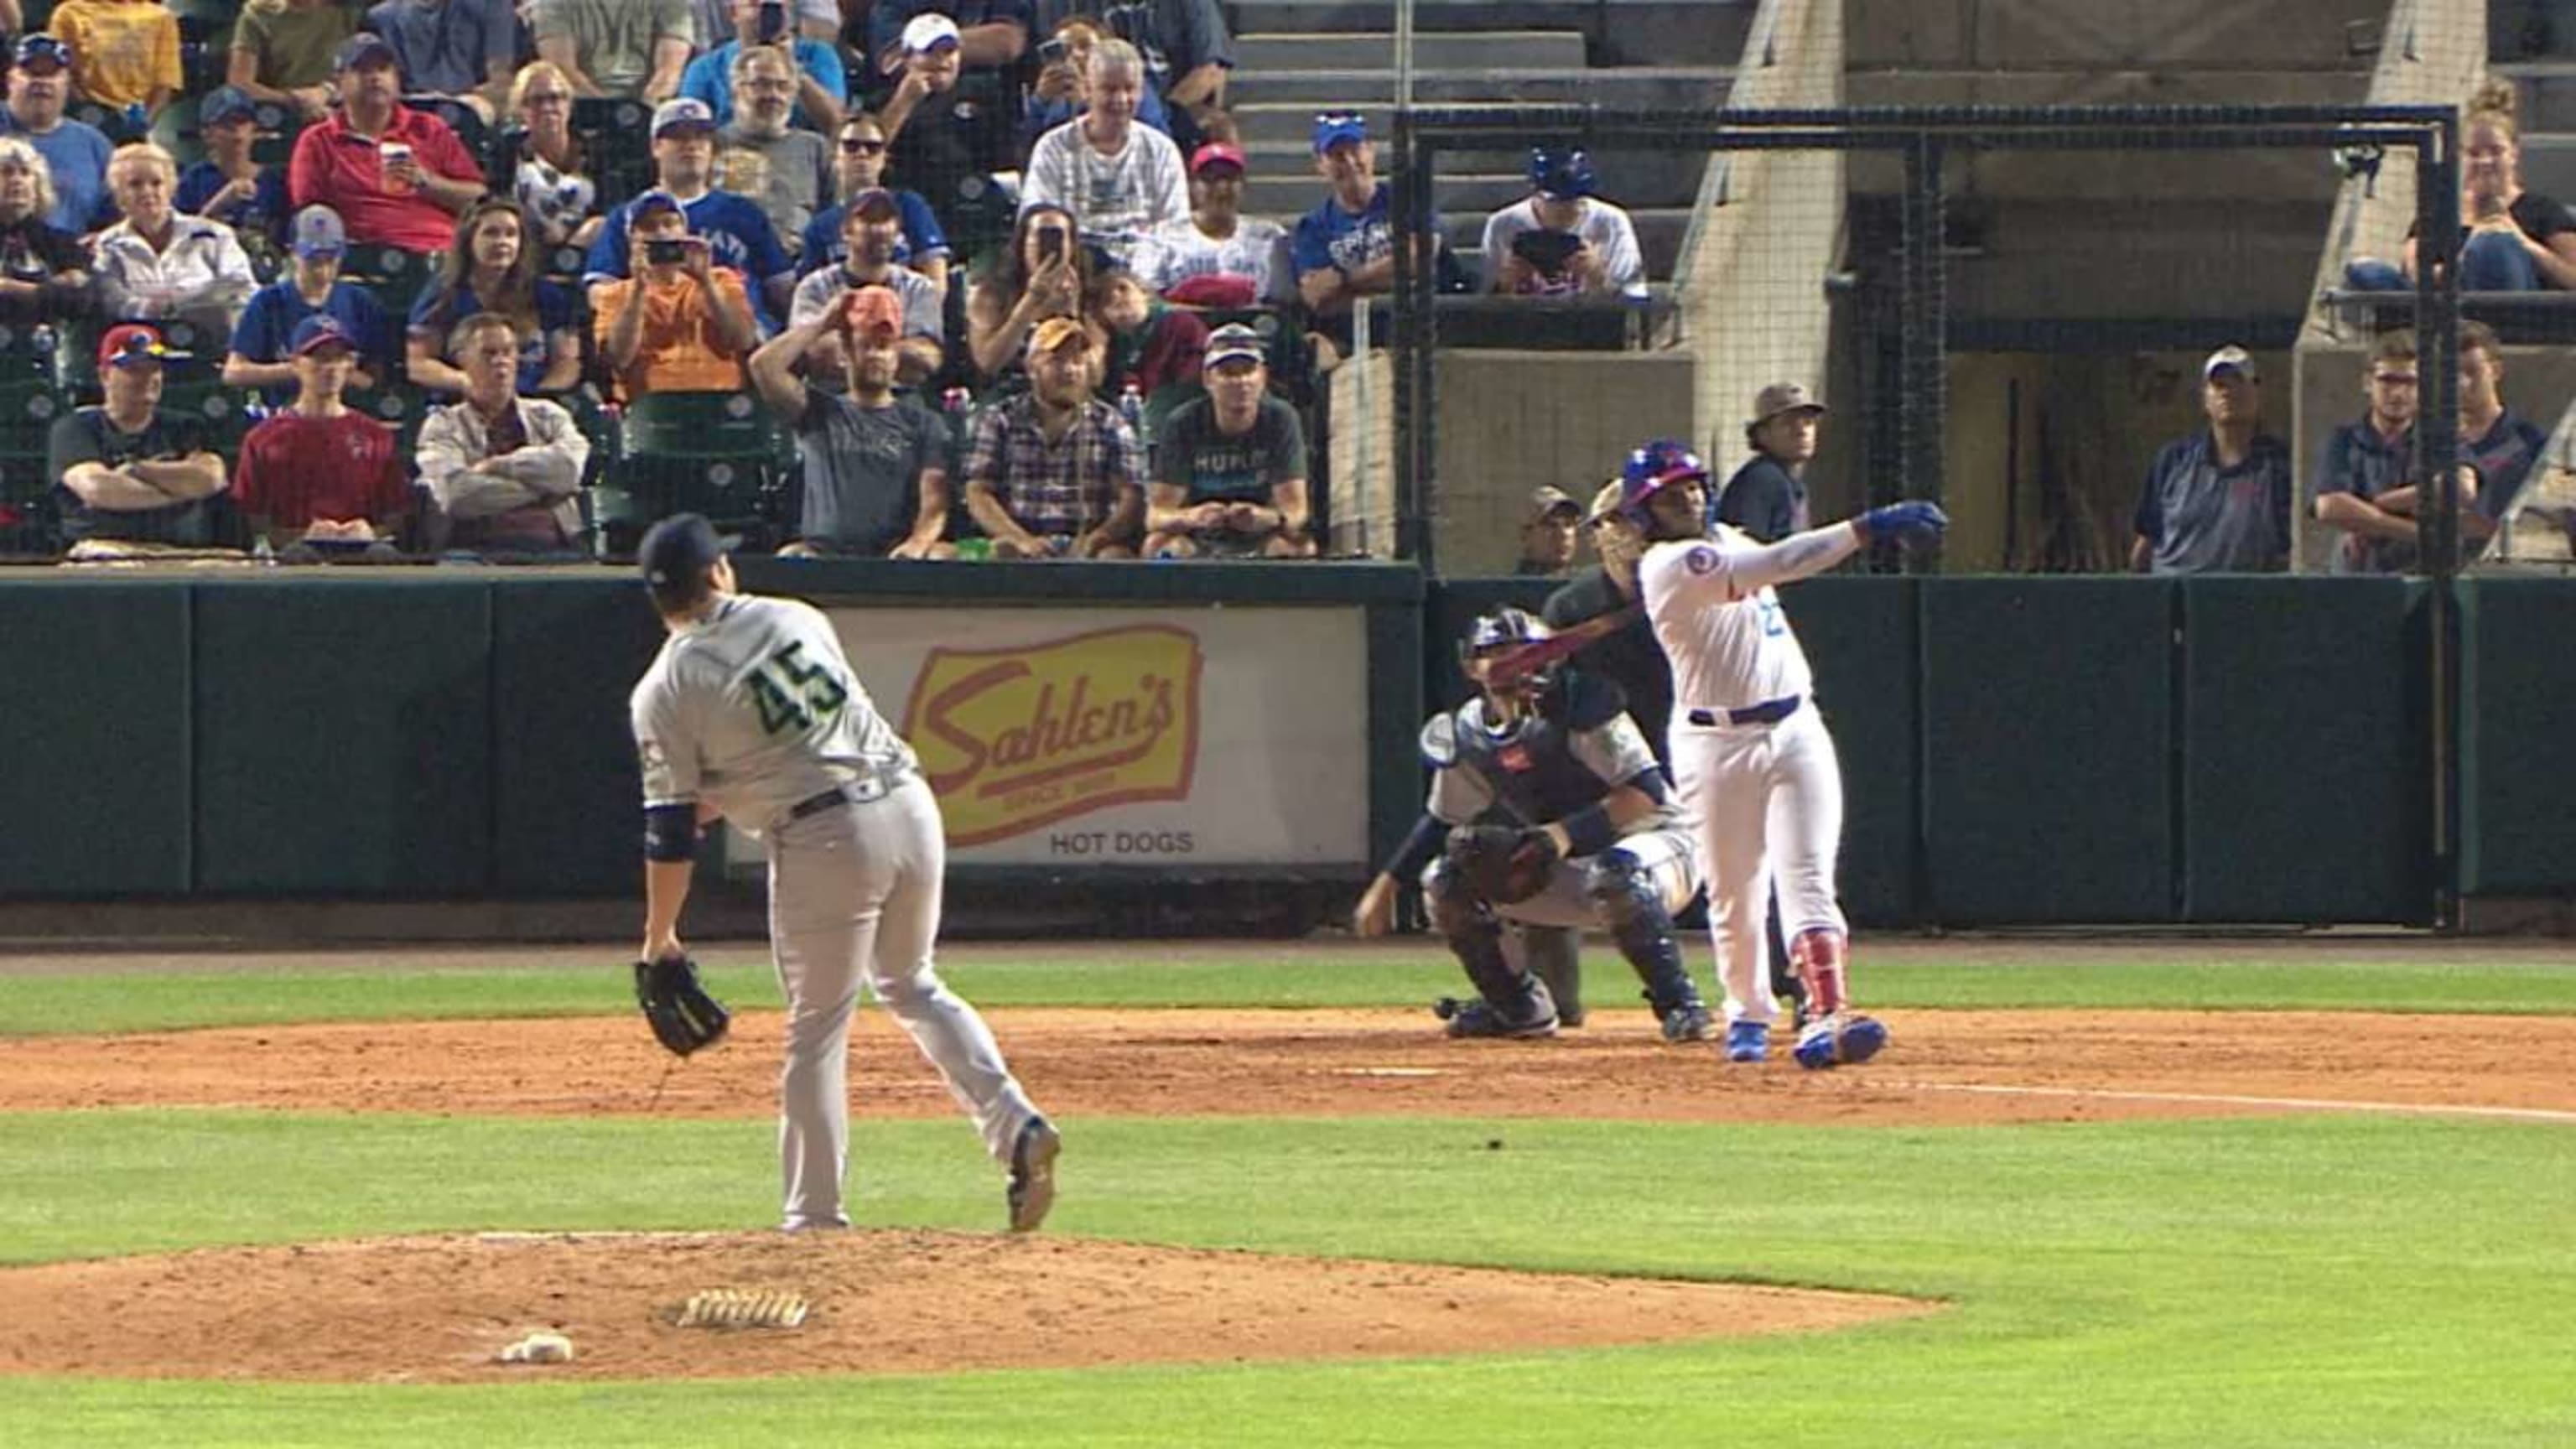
(1713, 609)
(754, 709)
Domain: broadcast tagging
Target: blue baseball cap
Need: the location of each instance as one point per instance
(677, 552)
(317, 331)
(1561, 175)
(682, 112)
(656, 199)
(1334, 128)
(226, 103)
(43, 47)
(364, 48)
(318, 232)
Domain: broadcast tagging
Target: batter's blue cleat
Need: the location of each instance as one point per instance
(1033, 1156)
(1840, 1041)
(1748, 1041)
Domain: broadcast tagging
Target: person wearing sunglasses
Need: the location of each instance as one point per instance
(859, 166)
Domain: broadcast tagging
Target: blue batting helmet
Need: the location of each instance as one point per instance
(1650, 468)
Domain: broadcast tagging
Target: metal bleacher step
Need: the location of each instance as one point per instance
(1616, 32)
(1634, 85)
(1438, 50)
(2549, 164)
(2548, 94)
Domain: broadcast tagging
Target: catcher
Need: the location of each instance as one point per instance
(1599, 840)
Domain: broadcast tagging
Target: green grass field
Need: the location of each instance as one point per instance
(2327, 1280)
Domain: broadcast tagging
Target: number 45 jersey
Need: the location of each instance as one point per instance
(754, 709)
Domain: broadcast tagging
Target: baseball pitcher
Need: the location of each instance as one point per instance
(752, 713)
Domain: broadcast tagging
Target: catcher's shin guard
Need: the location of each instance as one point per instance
(1628, 902)
(1476, 937)
(1551, 953)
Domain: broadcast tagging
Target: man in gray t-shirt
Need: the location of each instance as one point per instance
(1230, 468)
(876, 466)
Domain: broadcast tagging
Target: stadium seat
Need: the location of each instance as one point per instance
(713, 453)
(394, 275)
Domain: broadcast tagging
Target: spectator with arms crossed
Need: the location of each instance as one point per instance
(491, 268)
(134, 473)
(504, 471)
(876, 466)
(2498, 447)
(2366, 460)
(1230, 481)
(159, 264)
(316, 472)
(1053, 474)
(44, 271)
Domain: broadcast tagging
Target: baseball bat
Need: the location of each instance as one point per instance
(1528, 659)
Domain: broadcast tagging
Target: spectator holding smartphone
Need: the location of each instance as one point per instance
(1561, 240)
(822, 86)
(1043, 275)
(681, 323)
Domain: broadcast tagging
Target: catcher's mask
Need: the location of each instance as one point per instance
(1500, 633)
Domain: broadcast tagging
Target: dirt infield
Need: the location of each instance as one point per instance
(1945, 1067)
(439, 1309)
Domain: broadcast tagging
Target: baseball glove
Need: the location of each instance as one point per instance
(1502, 865)
(676, 1005)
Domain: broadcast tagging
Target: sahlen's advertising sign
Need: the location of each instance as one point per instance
(1213, 737)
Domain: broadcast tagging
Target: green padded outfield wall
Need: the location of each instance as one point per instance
(344, 736)
(2517, 732)
(2048, 750)
(2308, 797)
(1859, 634)
(95, 772)
(565, 797)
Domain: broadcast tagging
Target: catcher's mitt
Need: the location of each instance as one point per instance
(1502, 865)
(676, 1005)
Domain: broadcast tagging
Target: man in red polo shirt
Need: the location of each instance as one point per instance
(398, 177)
(315, 472)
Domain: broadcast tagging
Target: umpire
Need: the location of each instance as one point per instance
(1631, 658)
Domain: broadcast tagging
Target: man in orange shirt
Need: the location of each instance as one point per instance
(398, 177)
(681, 323)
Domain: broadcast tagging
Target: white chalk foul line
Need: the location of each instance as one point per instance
(2305, 1104)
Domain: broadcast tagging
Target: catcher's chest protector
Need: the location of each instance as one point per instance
(1530, 765)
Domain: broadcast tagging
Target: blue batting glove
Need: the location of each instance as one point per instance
(1906, 521)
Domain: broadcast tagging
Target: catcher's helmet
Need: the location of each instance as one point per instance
(1650, 468)
(1499, 632)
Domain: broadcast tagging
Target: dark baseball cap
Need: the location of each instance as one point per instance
(318, 331)
(226, 103)
(677, 552)
(364, 48)
(51, 49)
(875, 199)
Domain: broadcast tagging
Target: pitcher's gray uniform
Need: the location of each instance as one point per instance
(753, 710)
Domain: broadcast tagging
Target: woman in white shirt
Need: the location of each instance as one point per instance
(159, 265)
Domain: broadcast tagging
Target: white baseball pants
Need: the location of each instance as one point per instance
(1768, 801)
(854, 895)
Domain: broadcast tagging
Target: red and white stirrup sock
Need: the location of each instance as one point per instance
(1819, 955)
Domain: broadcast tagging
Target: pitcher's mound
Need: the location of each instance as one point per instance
(440, 1309)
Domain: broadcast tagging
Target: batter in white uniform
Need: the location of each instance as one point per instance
(1751, 757)
(751, 712)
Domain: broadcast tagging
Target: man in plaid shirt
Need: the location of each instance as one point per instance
(1057, 473)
